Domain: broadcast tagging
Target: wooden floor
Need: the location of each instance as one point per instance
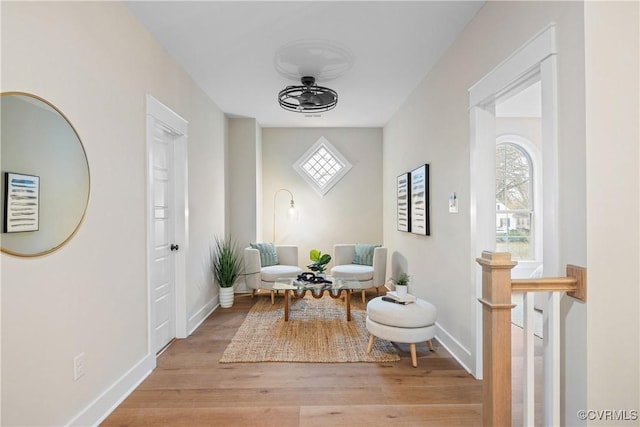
(190, 388)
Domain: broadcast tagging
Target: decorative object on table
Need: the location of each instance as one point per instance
(401, 283)
(226, 263)
(320, 261)
(21, 202)
(292, 212)
(404, 201)
(395, 301)
(420, 200)
(317, 333)
(312, 278)
(405, 299)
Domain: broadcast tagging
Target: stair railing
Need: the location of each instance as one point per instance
(497, 287)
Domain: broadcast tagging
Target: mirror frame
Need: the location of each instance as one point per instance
(56, 245)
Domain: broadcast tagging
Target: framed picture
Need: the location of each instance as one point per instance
(419, 212)
(21, 202)
(403, 197)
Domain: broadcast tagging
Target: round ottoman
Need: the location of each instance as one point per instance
(410, 323)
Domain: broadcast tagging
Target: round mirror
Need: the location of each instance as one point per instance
(45, 176)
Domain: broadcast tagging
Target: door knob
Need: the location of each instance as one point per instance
(174, 247)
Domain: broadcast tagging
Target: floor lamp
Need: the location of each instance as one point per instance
(291, 212)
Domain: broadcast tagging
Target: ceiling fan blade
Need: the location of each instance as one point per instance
(324, 98)
(307, 104)
(305, 96)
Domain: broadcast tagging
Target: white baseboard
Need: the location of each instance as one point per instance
(98, 410)
(103, 405)
(455, 348)
(200, 315)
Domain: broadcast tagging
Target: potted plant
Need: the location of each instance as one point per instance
(320, 261)
(226, 263)
(402, 284)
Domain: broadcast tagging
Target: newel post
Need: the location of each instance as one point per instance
(496, 337)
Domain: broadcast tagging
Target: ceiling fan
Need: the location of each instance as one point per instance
(307, 98)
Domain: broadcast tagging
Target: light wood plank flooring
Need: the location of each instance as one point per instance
(189, 387)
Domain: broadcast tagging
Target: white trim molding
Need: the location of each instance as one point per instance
(514, 68)
(98, 410)
(535, 60)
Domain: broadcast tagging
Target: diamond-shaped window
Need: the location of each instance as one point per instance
(322, 166)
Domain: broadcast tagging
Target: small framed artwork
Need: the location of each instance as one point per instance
(403, 197)
(419, 179)
(21, 202)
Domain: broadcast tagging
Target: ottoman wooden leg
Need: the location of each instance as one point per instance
(414, 359)
(370, 346)
(273, 297)
(430, 344)
(363, 299)
(253, 294)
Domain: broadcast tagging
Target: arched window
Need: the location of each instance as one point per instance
(514, 201)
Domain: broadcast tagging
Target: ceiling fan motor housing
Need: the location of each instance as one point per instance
(308, 80)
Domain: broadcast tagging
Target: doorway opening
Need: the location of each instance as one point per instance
(534, 62)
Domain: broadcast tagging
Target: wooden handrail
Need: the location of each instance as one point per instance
(575, 284)
(497, 287)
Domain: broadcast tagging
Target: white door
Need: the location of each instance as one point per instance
(167, 244)
(163, 269)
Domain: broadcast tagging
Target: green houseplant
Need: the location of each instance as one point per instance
(226, 263)
(320, 261)
(401, 282)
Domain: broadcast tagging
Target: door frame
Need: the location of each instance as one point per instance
(158, 112)
(537, 57)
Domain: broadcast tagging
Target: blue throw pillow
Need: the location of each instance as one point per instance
(268, 254)
(364, 254)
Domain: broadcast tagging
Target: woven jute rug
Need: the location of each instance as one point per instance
(317, 332)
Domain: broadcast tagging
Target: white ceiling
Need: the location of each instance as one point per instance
(243, 53)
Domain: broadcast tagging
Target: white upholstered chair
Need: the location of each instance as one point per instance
(259, 277)
(346, 264)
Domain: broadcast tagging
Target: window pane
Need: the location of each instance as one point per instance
(514, 207)
(513, 177)
(322, 166)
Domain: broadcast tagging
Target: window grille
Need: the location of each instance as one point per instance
(322, 166)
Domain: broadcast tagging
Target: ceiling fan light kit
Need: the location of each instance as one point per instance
(308, 97)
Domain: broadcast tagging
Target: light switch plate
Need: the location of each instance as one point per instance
(453, 203)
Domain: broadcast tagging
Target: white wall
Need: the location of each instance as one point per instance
(245, 181)
(432, 126)
(96, 63)
(351, 212)
(612, 40)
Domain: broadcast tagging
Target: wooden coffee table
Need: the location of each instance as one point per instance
(293, 287)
